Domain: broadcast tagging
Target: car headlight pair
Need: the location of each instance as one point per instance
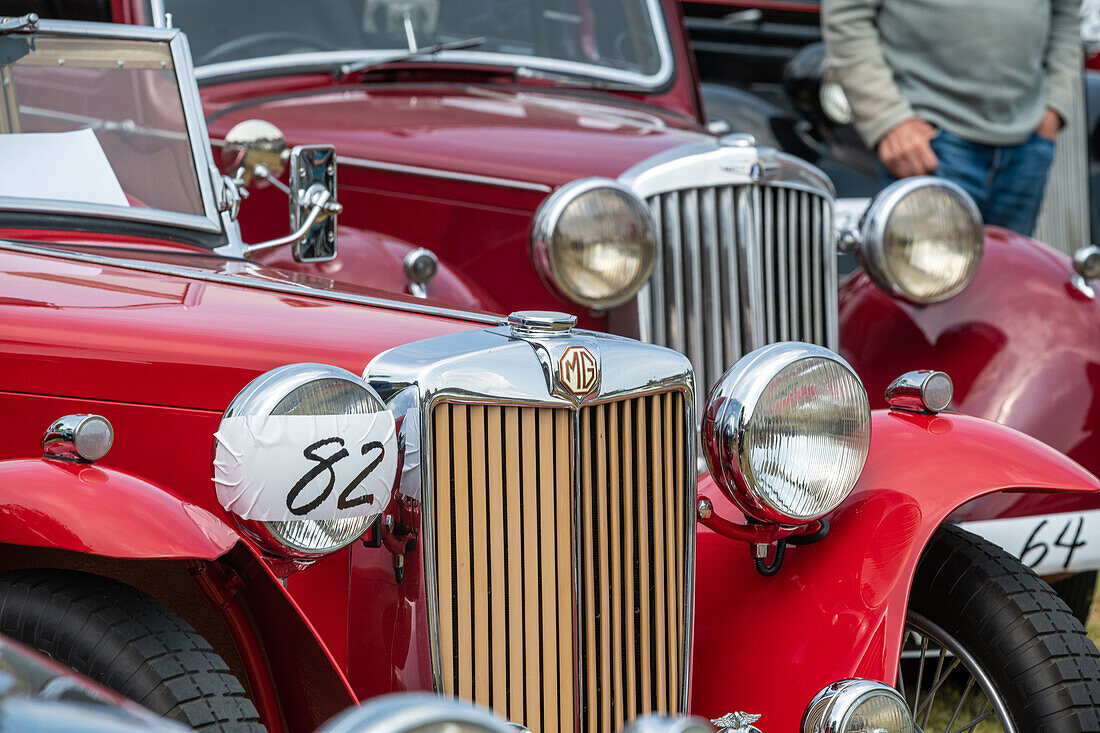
(921, 239)
(594, 242)
(299, 390)
(786, 432)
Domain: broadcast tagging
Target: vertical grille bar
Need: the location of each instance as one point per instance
(711, 258)
(675, 316)
(535, 476)
(515, 432)
(464, 683)
(768, 245)
(730, 303)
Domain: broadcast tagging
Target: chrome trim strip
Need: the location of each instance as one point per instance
(257, 283)
(304, 62)
(416, 170)
(495, 367)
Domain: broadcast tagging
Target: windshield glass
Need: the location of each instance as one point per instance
(92, 125)
(611, 38)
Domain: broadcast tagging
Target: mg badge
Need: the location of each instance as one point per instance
(578, 370)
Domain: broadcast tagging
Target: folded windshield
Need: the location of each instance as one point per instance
(616, 39)
(94, 126)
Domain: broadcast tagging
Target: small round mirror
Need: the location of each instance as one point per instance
(252, 145)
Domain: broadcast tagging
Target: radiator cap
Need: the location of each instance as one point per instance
(541, 323)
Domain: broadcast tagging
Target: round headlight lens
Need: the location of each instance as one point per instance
(786, 432)
(307, 389)
(595, 243)
(923, 239)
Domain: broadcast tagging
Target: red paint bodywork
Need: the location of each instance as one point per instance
(1021, 343)
(838, 606)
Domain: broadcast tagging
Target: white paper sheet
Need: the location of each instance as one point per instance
(62, 166)
(299, 467)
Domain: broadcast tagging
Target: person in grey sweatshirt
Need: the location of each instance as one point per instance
(971, 90)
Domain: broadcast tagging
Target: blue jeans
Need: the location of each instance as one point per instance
(1006, 182)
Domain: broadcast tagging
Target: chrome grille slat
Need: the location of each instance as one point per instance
(567, 531)
(740, 267)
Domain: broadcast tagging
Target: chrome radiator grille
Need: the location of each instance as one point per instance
(739, 267)
(561, 551)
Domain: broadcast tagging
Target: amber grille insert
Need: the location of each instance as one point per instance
(515, 634)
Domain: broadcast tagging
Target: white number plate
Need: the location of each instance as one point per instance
(1049, 544)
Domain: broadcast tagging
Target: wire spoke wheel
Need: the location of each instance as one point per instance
(988, 646)
(945, 687)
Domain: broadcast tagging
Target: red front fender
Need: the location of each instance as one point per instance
(836, 608)
(103, 511)
(110, 513)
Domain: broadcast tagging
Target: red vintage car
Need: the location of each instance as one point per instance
(546, 156)
(248, 496)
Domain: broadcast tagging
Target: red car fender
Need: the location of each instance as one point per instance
(836, 608)
(103, 511)
(1021, 343)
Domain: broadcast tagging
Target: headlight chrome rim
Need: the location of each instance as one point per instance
(546, 222)
(873, 231)
(831, 709)
(408, 712)
(262, 396)
(728, 417)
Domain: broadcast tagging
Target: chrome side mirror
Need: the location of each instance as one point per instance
(313, 183)
(254, 152)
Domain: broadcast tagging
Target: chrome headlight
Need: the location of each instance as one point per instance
(786, 432)
(594, 242)
(856, 706)
(417, 712)
(303, 390)
(922, 239)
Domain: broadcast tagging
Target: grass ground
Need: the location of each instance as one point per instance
(1093, 626)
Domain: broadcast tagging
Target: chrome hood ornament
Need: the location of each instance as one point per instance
(736, 723)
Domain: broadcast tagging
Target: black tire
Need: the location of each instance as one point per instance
(997, 615)
(1077, 591)
(127, 641)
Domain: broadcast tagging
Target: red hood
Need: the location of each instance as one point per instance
(544, 137)
(190, 335)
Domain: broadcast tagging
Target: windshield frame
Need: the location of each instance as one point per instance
(211, 221)
(301, 63)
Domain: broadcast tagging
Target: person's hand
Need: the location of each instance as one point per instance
(1049, 125)
(905, 150)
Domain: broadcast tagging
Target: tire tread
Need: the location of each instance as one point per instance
(1045, 666)
(128, 642)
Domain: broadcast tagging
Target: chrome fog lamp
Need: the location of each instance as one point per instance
(594, 242)
(786, 432)
(417, 712)
(922, 239)
(857, 706)
(306, 389)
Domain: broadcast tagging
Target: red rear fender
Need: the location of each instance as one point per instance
(836, 608)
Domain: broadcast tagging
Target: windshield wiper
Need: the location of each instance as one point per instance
(578, 80)
(435, 48)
